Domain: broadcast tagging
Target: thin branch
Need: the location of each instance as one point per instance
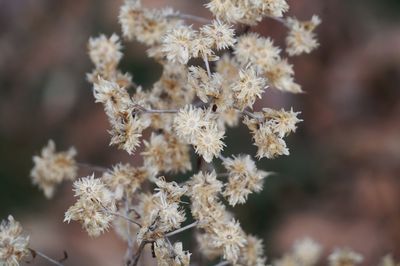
(192, 17)
(182, 229)
(154, 111)
(280, 20)
(139, 252)
(207, 66)
(92, 167)
(222, 263)
(121, 216)
(142, 109)
(128, 229)
(44, 256)
(252, 115)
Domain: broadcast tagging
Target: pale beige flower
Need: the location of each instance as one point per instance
(126, 128)
(177, 44)
(105, 52)
(188, 123)
(206, 247)
(244, 178)
(171, 190)
(168, 255)
(170, 213)
(388, 260)
(345, 256)
(13, 244)
(123, 180)
(301, 37)
(259, 51)
(145, 25)
(204, 187)
(202, 47)
(280, 76)
(282, 122)
(287, 260)
(52, 167)
(253, 252)
(208, 142)
(94, 206)
(165, 153)
(231, 238)
(222, 35)
(248, 88)
(269, 144)
(307, 251)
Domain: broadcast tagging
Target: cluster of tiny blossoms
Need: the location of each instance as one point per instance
(14, 245)
(212, 76)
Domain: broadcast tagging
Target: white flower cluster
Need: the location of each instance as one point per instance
(13, 245)
(212, 77)
(52, 167)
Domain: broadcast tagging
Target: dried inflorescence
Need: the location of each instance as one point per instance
(13, 244)
(212, 76)
(95, 205)
(52, 167)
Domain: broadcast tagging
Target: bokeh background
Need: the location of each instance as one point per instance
(340, 185)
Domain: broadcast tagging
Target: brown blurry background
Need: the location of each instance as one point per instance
(340, 185)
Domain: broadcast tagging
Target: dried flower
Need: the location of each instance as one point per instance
(347, 257)
(307, 251)
(231, 238)
(253, 252)
(105, 52)
(177, 44)
(282, 122)
(52, 167)
(221, 34)
(301, 38)
(244, 178)
(248, 88)
(13, 245)
(124, 179)
(94, 206)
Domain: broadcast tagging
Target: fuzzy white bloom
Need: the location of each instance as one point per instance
(167, 256)
(274, 8)
(253, 252)
(13, 245)
(222, 35)
(126, 128)
(147, 26)
(231, 238)
(208, 142)
(307, 251)
(177, 44)
(388, 260)
(269, 144)
(259, 51)
(52, 167)
(170, 213)
(280, 76)
(282, 122)
(301, 37)
(204, 187)
(188, 122)
(105, 52)
(244, 178)
(248, 88)
(124, 179)
(94, 206)
(344, 256)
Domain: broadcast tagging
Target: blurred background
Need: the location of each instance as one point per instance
(340, 185)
